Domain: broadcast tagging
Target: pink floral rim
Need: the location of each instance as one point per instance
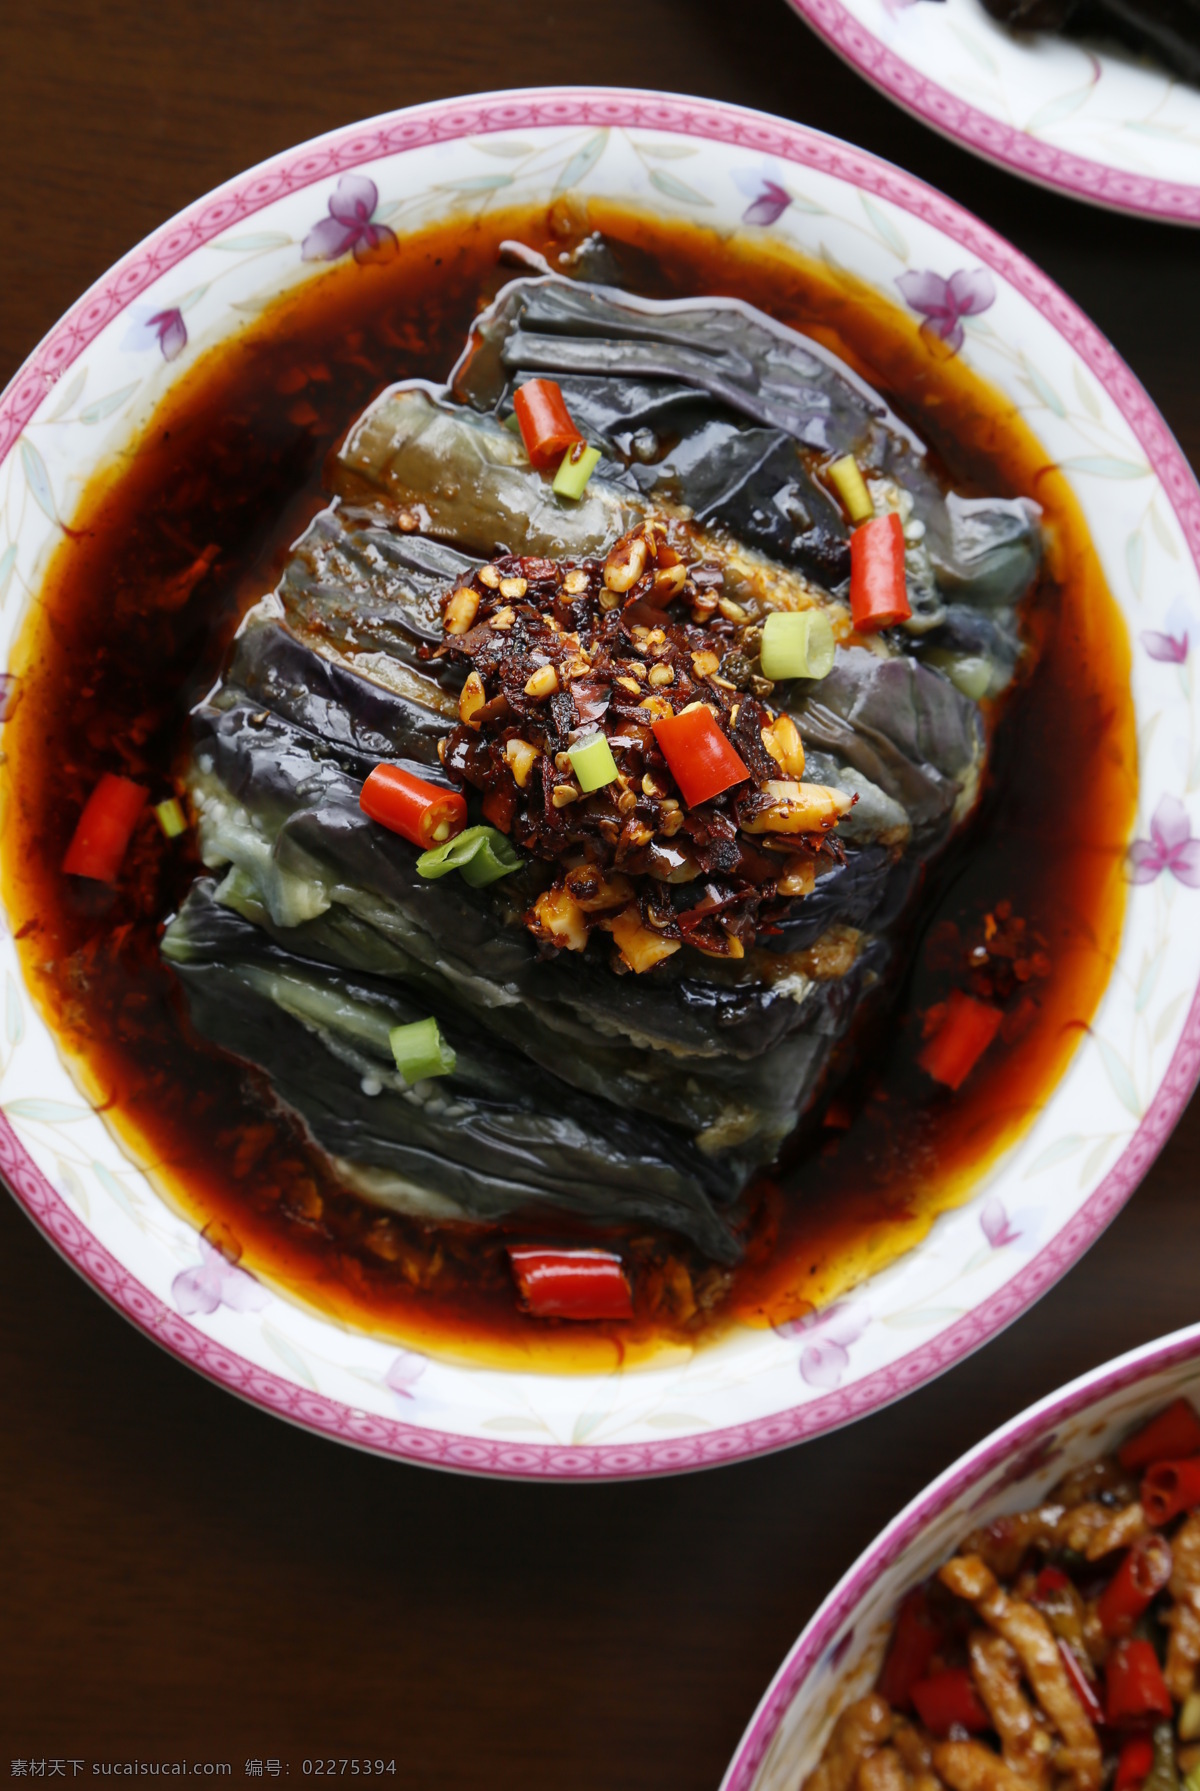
(1020, 1442)
(439, 122)
(1075, 175)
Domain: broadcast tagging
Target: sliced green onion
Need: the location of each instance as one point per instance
(797, 643)
(170, 817)
(420, 1050)
(494, 858)
(851, 487)
(482, 854)
(578, 465)
(593, 763)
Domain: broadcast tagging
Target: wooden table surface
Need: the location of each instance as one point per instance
(182, 1576)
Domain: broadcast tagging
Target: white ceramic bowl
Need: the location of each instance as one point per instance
(99, 372)
(1088, 121)
(838, 1655)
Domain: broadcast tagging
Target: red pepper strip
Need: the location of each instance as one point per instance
(1143, 1572)
(1172, 1435)
(422, 813)
(571, 1283)
(1134, 1683)
(546, 426)
(1133, 1763)
(950, 1699)
(1169, 1488)
(961, 1040)
(1084, 1690)
(102, 833)
(698, 755)
(912, 1647)
(1049, 1581)
(878, 587)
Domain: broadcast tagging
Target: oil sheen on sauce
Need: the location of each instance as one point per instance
(182, 532)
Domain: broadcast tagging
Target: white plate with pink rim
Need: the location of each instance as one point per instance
(1085, 118)
(838, 1654)
(99, 371)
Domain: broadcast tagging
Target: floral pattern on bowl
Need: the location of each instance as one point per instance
(1089, 120)
(355, 192)
(839, 1653)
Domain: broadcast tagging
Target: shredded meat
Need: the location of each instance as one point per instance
(1004, 1544)
(1024, 1738)
(969, 1766)
(860, 1729)
(913, 1746)
(1095, 1479)
(1014, 1663)
(1183, 1619)
(1096, 1530)
(883, 1771)
(1032, 1640)
(1089, 1527)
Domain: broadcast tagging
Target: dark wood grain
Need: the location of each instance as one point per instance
(180, 1574)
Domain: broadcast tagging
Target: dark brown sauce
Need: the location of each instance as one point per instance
(125, 635)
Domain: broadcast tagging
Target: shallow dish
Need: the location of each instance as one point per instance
(1090, 122)
(838, 1654)
(139, 329)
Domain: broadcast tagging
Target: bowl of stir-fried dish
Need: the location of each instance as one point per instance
(582, 897)
(1098, 99)
(1029, 1620)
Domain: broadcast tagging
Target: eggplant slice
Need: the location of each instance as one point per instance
(650, 1098)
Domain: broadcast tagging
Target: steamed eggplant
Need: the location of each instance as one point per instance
(278, 802)
(583, 1079)
(713, 404)
(478, 1143)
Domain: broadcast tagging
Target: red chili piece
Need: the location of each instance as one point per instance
(1085, 1691)
(1172, 1435)
(571, 1283)
(422, 813)
(1169, 1488)
(961, 1040)
(878, 587)
(1134, 1683)
(912, 1647)
(950, 1700)
(103, 831)
(698, 755)
(1049, 1581)
(546, 426)
(1133, 1763)
(1143, 1573)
